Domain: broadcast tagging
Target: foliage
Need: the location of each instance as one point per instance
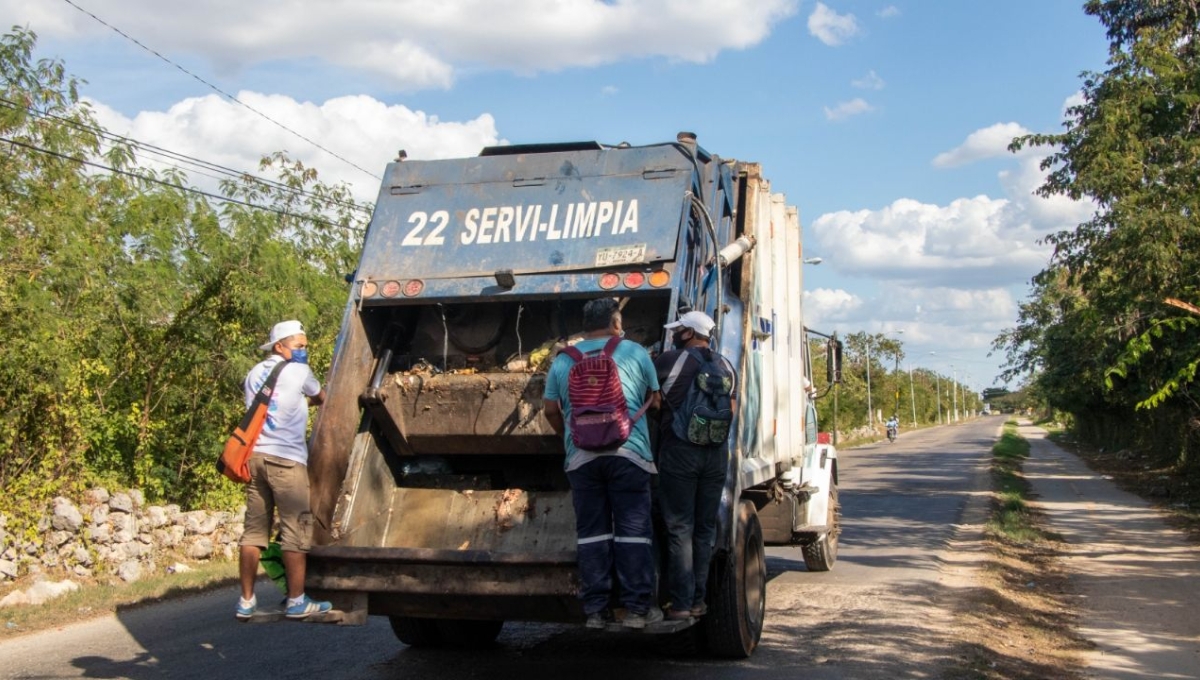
(131, 306)
(890, 385)
(1095, 335)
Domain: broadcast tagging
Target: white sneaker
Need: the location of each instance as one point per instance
(640, 621)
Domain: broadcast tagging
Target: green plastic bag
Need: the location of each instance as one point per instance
(272, 564)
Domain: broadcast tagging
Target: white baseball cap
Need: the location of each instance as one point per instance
(283, 329)
(697, 321)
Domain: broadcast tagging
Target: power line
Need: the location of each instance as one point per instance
(173, 185)
(198, 164)
(220, 91)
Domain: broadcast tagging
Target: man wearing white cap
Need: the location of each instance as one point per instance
(692, 462)
(279, 471)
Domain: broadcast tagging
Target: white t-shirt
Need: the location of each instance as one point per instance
(286, 428)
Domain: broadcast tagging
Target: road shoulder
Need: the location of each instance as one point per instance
(1132, 573)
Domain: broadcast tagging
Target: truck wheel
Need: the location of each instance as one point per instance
(469, 634)
(416, 632)
(738, 599)
(822, 553)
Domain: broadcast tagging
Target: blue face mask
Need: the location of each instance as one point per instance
(300, 355)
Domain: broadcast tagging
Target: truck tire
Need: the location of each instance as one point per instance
(460, 633)
(416, 632)
(738, 598)
(469, 634)
(822, 553)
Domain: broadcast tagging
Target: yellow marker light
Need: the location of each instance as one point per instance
(369, 289)
(659, 278)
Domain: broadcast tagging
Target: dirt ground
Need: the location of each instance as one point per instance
(1176, 494)
(1019, 624)
(1022, 624)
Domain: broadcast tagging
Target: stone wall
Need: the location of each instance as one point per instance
(116, 534)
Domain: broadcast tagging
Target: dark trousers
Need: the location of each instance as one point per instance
(612, 521)
(690, 480)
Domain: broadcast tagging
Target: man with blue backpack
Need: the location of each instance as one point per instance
(698, 388)
(596, 394)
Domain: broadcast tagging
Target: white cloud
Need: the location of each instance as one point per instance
(961, 266)
(975, 243)
(989, 142)
(853, 107)
(957, 325)
(609, 90)
(831, 28)
(415, 44)
(1076, 99)
(831, 306)
(359, 128)
(871, 81)
(888, 12)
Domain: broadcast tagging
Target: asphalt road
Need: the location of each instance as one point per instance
(884, 610)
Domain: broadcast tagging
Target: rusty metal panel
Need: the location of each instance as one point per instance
(365, 508)
(337, 421)
(481, 413)
(484, 580)
(503, 521)
(450, 583)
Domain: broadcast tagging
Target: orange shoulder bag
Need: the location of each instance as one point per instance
(234, 462)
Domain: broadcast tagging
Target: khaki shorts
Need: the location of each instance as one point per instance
(278, 483)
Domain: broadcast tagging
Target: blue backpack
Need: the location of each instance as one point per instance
(706, 415)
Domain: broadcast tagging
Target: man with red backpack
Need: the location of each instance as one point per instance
(596, 394)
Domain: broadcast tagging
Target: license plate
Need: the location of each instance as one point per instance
(617, 255)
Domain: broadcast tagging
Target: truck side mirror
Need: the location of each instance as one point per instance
(833, 361)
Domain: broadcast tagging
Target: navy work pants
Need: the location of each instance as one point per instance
(612, 521)
(690, 480)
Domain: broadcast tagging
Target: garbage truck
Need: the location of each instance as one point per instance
(439, 495)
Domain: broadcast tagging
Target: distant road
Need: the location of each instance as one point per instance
(882, 612)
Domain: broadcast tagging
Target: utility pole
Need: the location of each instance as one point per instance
(954, 390)
(870, 411)
(912, 395)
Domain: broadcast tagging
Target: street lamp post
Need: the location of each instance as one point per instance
(912, 395)
(896, 407)
(870, 412)
(954, 390)
(937, 378)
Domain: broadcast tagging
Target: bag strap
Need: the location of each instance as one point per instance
(610, 347)
(607, 350)
(640, 412)
(676, 369)
(269, 386)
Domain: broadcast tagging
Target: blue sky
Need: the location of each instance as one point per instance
(884, 122)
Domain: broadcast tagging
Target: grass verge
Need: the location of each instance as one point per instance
(1019, 622)
(1011, 517)
(101, 598)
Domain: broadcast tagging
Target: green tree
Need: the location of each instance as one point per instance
(131, 306)
(1132, 147)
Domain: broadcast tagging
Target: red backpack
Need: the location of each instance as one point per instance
(599, 414)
